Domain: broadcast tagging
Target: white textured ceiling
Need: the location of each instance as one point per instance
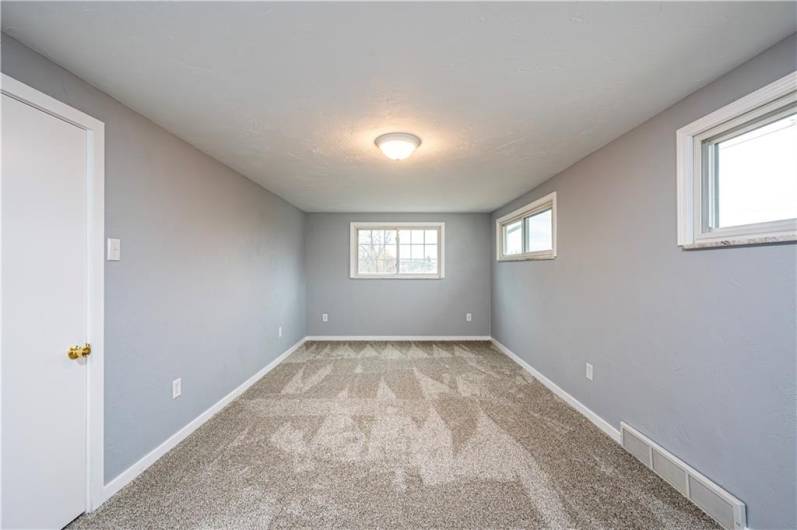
(504, 95)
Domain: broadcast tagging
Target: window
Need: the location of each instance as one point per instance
(397, 250)
(737, 171)
(528, 232)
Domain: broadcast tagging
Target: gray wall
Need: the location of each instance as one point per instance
(211, 265)
(398, 307)
(697, 349)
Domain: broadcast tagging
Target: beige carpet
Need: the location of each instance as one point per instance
(423, 434)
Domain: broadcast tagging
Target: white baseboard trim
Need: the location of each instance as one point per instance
(127, 476)
(612, 432)
(599, 422)
(383, 338)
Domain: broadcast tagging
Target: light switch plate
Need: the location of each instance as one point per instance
(114, 249)
(177, 387)
(589, 372)
(324, 317)
(279, 331)
(468, 317)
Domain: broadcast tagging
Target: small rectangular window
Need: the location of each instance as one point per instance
(397, 250)
(418, 251)
(513, 238)
(539, 231)
(737, 171)
(754, 173)
(377, 252)
(528, 232)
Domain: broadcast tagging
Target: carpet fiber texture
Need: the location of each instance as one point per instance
(397, 434)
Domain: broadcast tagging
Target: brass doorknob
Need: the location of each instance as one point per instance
(76, 352)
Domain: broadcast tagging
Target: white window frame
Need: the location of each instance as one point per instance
(694, 208)
(540, 205)
(381, 225)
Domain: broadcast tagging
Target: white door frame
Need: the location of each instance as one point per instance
(95, 217)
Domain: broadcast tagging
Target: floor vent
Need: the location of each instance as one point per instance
(723, 507)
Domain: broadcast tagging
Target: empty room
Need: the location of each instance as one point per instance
(398, 265)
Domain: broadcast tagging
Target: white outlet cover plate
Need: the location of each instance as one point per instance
(114, 249)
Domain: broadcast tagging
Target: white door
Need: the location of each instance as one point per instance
(44, 312)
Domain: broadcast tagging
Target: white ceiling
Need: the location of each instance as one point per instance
(504, 95)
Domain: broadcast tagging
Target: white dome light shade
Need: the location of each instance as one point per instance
(397, 145)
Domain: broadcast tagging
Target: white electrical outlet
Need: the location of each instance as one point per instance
(589, 371)
(177, 387)
(324, 317)
(468, 317)
(279, 331)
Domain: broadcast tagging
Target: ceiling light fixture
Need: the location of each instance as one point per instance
(397, 145)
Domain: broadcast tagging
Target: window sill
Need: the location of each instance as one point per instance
(740, 241)
(528, 257)
(394, 277)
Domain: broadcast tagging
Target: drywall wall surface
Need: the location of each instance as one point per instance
(398, 307)
(697, 349)
(211, 267)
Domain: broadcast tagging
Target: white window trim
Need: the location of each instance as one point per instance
(441, 250)
(691, 227)
(541, 204)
